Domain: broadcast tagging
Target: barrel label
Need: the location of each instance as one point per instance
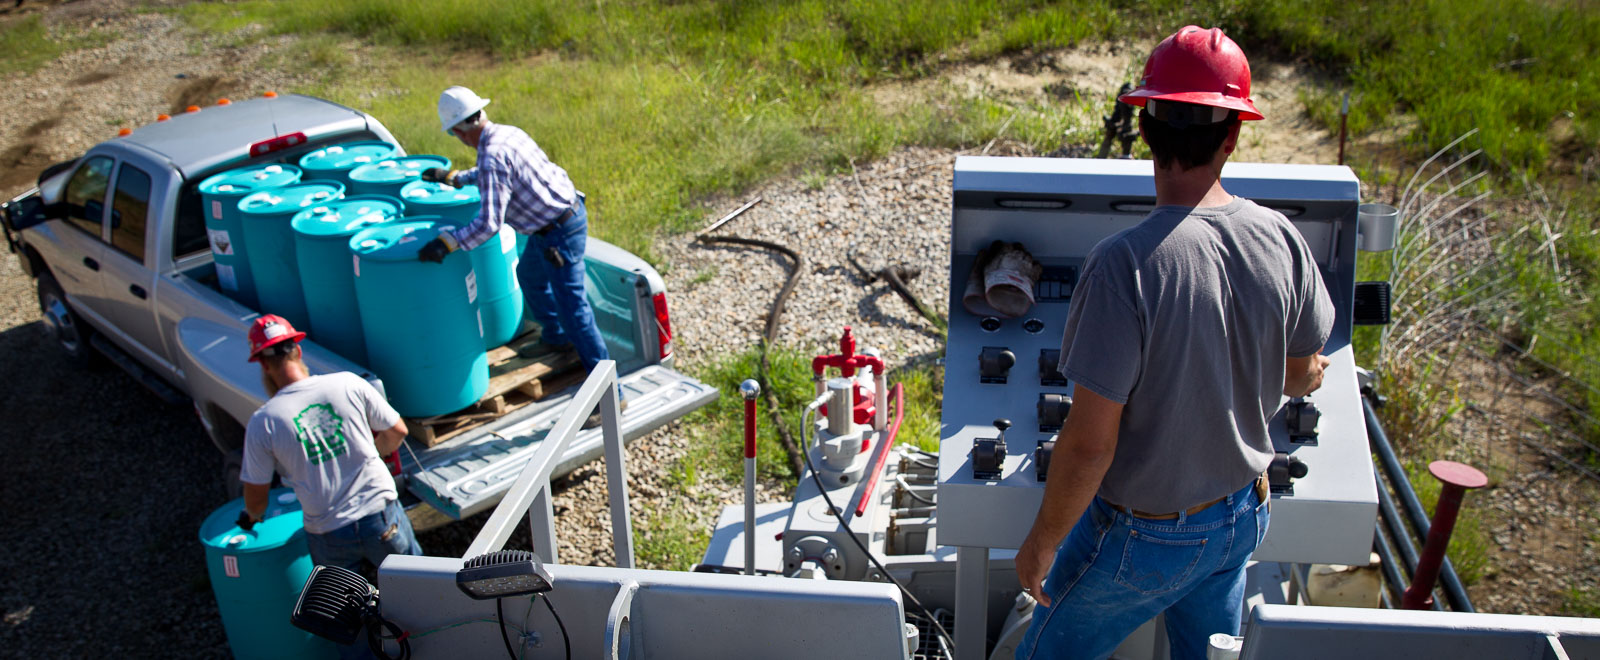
(230, 565)
(216, 210)
(226, 279)
(220, 242)
(472, 287)
(357, 259)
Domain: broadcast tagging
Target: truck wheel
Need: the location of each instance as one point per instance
(63, 325)
(232, 463)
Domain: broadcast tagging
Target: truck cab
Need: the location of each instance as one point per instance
(117, 242)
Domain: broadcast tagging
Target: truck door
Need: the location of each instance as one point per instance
(128, 281)
(82, 239)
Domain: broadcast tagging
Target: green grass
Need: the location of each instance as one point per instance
(29, 45)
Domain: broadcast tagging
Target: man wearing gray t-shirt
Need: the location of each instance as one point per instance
(1183, 336)
(325, 436)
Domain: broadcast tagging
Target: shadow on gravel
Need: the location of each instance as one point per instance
(103, 488)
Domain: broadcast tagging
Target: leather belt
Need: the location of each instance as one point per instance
(545, 230)
(1261, 493)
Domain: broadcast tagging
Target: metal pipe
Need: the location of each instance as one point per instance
(1449, 581)
(1392, 577)
(1397, 527)
(1455, 479)
(749, 389)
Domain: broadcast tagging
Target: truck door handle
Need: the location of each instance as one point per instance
(91, 263)
(137, 291)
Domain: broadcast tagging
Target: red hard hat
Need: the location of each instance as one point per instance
(1198, 66)
(269, 330)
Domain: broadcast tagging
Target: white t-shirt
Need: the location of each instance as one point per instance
(317, 434)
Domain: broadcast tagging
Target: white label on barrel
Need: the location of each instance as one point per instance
(226, 279)
(472, 287)
(508, 239)
(357, 258)
(216, 210)
(221, 243)
(230, 565)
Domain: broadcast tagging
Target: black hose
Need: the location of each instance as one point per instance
(500, 614)
(1395, 581)
(770, 337)
(891, 275)
(565, 641)
(1449, 581)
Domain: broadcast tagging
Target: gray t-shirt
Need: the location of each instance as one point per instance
(1186, 319)
(317, 434)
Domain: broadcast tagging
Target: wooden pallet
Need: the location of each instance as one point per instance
(514, 381)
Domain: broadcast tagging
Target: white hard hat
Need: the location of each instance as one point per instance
(456, 104)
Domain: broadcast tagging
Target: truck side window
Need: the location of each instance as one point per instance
(86, 194)
(189, 228)
(130, 210)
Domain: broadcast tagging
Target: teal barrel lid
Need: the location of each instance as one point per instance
(431, 193)
(397, 170)
(396, 241)
(243, 181)
(348, 215)
(282, 522)
(348, 155)
(292, 199)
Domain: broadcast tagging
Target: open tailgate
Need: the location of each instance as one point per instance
(469, 474)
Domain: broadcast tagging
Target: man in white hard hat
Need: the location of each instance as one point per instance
(325, 436)
(520, 187)
(1185, 332)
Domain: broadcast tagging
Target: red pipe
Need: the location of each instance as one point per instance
(899, 395)
(1456, 479)
(749, 428)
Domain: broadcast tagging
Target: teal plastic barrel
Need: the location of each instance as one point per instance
(265, 218)
(390, 175)
(327, 275)
(427, 198)
(499, 295)
(257, 576)
(334, 162)
(420, 320)
(220, 195)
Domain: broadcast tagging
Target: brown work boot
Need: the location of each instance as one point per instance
(594, 417)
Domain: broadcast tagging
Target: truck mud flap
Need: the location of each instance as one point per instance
(467, 475)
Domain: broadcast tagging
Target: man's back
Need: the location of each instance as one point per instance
(317, 434)
(1194, 310)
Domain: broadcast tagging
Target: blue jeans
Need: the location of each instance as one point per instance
(556, 295)
(1115, 572)
(365, 539)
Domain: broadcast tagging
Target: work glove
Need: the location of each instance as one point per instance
(434, 251)
(245, 522)
(439, 175)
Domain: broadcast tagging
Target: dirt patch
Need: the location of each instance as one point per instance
(94, 77)
(20, 165)
(43, 125)
(203, 91)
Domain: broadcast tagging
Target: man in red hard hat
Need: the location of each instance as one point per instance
(325, 436)
(1184, 333)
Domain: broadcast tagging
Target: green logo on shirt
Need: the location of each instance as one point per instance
(321, 432)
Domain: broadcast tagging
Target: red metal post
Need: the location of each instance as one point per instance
(1456, 479)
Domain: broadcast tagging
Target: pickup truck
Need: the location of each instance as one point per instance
(117, 242)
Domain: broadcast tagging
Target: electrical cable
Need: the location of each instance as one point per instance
(500, 613)
(805, 426)
(900, 479)
(565, 641)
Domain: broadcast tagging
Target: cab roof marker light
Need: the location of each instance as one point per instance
(279, 143)
(163, 117)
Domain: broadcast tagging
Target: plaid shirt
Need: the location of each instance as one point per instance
(518, 183)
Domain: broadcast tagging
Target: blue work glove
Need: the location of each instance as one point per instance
(245, 522)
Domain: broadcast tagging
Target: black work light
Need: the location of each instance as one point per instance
(502, 574)
(334, 604)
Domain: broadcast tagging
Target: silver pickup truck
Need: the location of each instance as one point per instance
(117, 242)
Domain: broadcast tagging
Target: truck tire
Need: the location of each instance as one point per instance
(232, 463)
(63, 326)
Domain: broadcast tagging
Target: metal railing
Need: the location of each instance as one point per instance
(531, 492)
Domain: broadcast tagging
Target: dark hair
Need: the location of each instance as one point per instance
(1191, 146)
(276, 354)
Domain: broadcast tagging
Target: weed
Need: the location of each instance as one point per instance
(28, 44)
(1584, 602)
(670, 540)
(703, 276)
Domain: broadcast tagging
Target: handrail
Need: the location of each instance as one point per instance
(600, 388)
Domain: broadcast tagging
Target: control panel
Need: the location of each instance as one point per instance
(1005, 400)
